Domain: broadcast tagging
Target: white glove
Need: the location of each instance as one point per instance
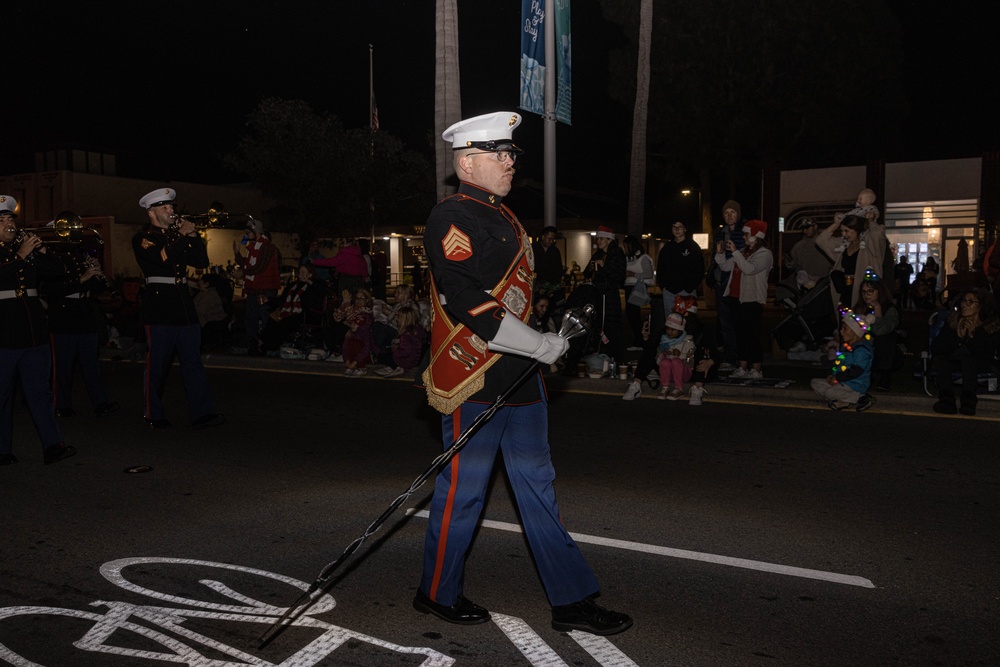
(516, 337)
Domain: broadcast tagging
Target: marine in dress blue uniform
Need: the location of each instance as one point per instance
(24, 337)
(482, 271)
(74, 323)
(164, 255)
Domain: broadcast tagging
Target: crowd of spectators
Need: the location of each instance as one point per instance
(337, 308)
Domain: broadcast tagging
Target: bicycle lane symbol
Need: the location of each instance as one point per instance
(122, 617)
(180, 646)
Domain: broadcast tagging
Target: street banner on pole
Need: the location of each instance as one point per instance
(533, 58)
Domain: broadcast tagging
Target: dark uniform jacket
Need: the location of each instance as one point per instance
(71, 310)
(470, 243)
(22, 318)
(164, 254)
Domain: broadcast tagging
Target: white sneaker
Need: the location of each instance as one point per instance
(394, 372)
(338, 358)
(696, 395)
(754, 374)
(633, 348)
(358, 372)
(663, 393)
(384, 372)
(633, 391)
(674, 395)
(350, 371)
(653, 375)
(726, 367)
(740, 374)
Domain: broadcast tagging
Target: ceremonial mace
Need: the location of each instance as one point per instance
(575, 322)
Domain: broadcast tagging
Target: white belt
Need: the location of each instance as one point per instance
(165, 280)
(74, 295)
(17, 294)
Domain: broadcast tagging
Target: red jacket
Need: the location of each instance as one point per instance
(348, 262)
(261, 272)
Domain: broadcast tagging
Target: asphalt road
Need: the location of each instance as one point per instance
(734, 534)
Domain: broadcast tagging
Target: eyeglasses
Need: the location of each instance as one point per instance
(678, 227)
(970, 302)
(502, 156)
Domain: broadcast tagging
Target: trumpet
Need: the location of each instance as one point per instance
(176, 220)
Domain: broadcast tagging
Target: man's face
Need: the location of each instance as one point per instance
(486, 171)
(161, 216)
(8, 228)
(547, 239)
(809, 231)
(679, 231)
(250, 234)
(730, 216)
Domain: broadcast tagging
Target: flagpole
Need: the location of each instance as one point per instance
(549, 118)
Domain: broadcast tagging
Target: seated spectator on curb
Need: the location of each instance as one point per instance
(408, 348)
(357, 349)
(847, 385)
(966, 343)
(212, 315)
(876, 300)
(349, 263)
(674, 357)
(385, 328)
(301, 304)
(704, 362)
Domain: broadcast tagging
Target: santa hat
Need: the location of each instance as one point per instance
(605, 233)
(756, 228)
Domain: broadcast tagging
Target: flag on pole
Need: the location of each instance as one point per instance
(533, 58)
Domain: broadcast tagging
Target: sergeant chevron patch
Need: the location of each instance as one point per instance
(456, 245)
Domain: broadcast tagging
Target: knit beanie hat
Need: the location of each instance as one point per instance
(735, 205)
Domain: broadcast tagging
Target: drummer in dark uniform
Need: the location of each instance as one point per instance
(164, 253)
(75, 322)
(482, 270)
(24, 337)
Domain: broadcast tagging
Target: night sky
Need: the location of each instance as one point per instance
(168, 89)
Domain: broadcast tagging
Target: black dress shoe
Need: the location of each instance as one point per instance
(105, 409)
(8, 459)
(945, 407)
(66, 412)
(211, 419)
(157, 424)
(588, 616)
(58, 453)
(462, 612)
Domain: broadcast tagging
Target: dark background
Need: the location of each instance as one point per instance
(167, 88)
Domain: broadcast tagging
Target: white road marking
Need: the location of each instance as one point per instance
(602, 650)
(527, 641)
(761, 566)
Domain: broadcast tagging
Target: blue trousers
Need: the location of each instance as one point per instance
(67, 350)
(521, 434)
(34, 365)
(163, 341)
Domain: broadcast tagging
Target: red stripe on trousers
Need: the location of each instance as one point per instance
(449, 505)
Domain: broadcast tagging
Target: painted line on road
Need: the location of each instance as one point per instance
(774, 568)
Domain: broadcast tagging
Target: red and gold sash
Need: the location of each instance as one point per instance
(460, 358)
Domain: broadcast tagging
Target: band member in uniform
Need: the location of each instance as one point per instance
(75, 322)
(164, 253)
(24, 337)
(482, 270)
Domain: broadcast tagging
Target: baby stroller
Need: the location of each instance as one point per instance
(810, 317)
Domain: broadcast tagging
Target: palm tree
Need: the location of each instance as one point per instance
(447, 91)
(637, 176)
